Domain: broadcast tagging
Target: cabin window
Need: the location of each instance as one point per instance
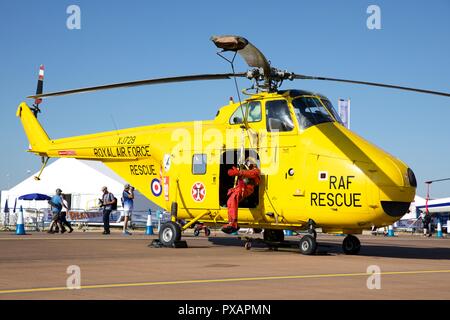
(310, 111)
(199, 163)
(278, 116)
(251, 110)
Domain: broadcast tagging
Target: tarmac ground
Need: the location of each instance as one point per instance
(35, 266)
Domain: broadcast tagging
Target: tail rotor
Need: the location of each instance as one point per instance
(39, 90)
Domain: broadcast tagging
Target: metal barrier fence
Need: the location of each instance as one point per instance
(40, 219)
(33, 219)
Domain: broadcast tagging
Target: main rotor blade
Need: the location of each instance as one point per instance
(197, 77)
(255, 58)
(303, 77)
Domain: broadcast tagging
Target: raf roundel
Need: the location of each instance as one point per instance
(156, 188)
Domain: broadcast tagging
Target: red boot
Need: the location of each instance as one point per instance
(232, 204)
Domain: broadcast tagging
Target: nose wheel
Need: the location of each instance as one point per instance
(351, 245)
(308, 245)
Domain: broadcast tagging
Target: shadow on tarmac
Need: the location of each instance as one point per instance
(329, 248)
(405, 252)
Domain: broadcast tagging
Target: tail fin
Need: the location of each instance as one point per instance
(38, 138)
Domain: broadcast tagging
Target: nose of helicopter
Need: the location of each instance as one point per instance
(390, 184)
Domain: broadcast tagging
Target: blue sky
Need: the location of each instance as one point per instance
(128, 40)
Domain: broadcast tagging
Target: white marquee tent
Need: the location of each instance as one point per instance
(81, 179)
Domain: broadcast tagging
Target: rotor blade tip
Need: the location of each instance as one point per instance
(229, 42)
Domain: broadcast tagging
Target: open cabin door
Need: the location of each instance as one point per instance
(249, 208)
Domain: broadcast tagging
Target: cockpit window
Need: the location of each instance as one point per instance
(278, 116)
(252, 110)
(327, 103)
(309, 112)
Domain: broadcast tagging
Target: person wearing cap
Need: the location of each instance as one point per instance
(57, 204)
(247, 178)
(107, 202)
(127, 199)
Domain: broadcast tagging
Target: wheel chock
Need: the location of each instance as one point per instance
(156, 243)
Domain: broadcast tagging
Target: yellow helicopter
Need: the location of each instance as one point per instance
(315, 173)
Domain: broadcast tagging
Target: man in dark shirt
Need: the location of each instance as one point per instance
(107, 202)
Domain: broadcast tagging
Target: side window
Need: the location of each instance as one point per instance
(238, 116)
(254, 111)
(199, 163)
(278, 116)
(251, 110)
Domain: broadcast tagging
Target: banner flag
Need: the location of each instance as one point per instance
(344, 111)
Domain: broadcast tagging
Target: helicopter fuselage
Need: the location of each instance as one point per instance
(314, 170)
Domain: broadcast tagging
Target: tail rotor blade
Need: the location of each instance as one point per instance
(40, 84)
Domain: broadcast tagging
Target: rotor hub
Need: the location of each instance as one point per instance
(270, 82)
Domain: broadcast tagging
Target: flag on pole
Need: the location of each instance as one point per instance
(344, 111)
(6, 214)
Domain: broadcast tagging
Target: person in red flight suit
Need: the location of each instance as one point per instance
(247, 180)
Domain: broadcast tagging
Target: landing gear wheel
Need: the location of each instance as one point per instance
(273, 235)
(248, 245)
(196, 232)
(351, 245)
(170, 233)
(308, 245)
(207, 232)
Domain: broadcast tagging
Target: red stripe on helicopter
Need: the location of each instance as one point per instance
(67, 152)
